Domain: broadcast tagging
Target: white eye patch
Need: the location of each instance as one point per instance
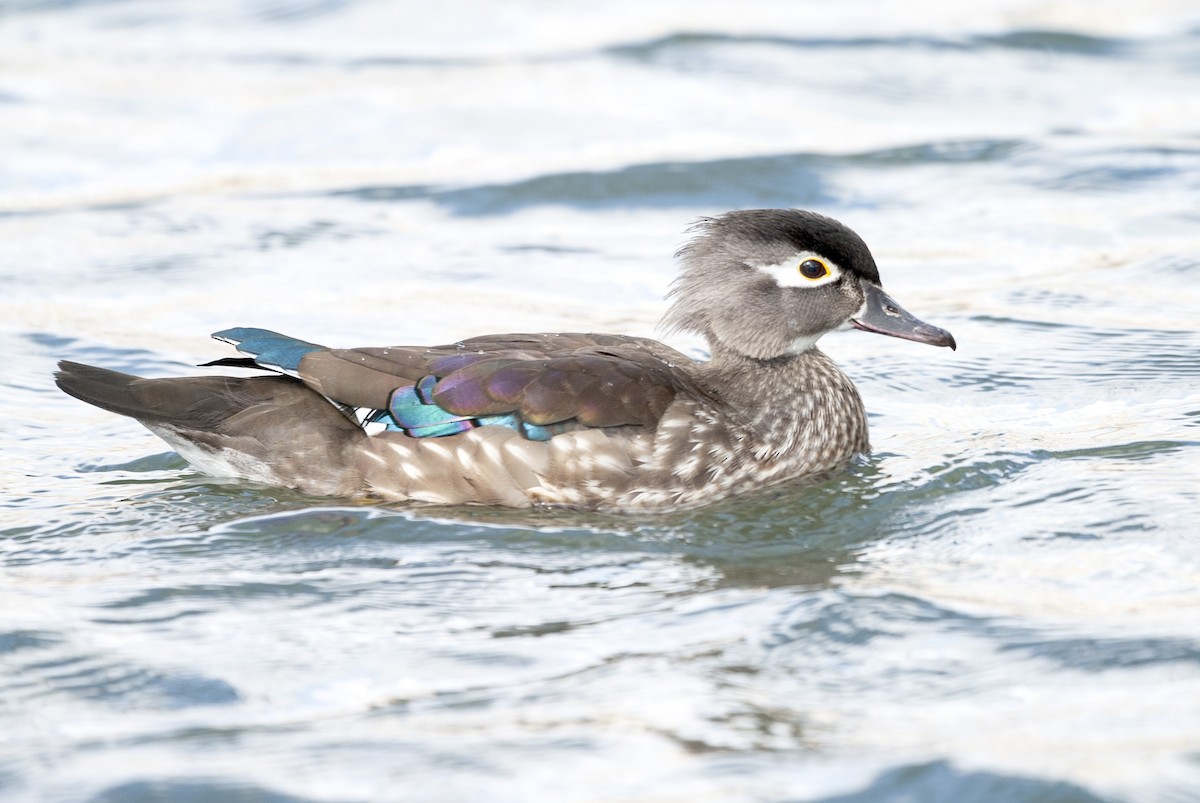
(790, 273)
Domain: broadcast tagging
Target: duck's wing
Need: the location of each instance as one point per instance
(533, 383)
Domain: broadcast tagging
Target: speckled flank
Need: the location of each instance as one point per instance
(809, 420)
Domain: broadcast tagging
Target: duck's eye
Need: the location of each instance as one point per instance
(814, 269)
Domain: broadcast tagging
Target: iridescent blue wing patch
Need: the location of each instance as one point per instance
(413, 411)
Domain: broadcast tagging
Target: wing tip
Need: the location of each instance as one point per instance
(240, 334)
(268, 349)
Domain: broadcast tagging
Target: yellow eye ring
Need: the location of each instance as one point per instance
(813, 269)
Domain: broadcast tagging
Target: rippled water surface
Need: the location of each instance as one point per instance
(1002, 603)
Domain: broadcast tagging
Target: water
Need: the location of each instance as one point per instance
(1001, 604)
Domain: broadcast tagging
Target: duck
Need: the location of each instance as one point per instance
(605, 422)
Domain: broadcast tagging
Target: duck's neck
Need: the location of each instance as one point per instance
(783, 399)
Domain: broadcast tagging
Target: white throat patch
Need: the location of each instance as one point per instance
(787, 273)
(803, 344)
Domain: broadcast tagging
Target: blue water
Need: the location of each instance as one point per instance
(1002, 603)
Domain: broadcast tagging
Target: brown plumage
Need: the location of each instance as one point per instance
(584, 420)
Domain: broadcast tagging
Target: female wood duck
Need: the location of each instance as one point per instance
(579, 420)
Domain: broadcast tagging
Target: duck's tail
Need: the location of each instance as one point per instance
(267, 428)
(198, 402)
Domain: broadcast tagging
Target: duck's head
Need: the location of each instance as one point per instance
(770, 282)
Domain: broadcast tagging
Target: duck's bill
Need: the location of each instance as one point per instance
(882, 315)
